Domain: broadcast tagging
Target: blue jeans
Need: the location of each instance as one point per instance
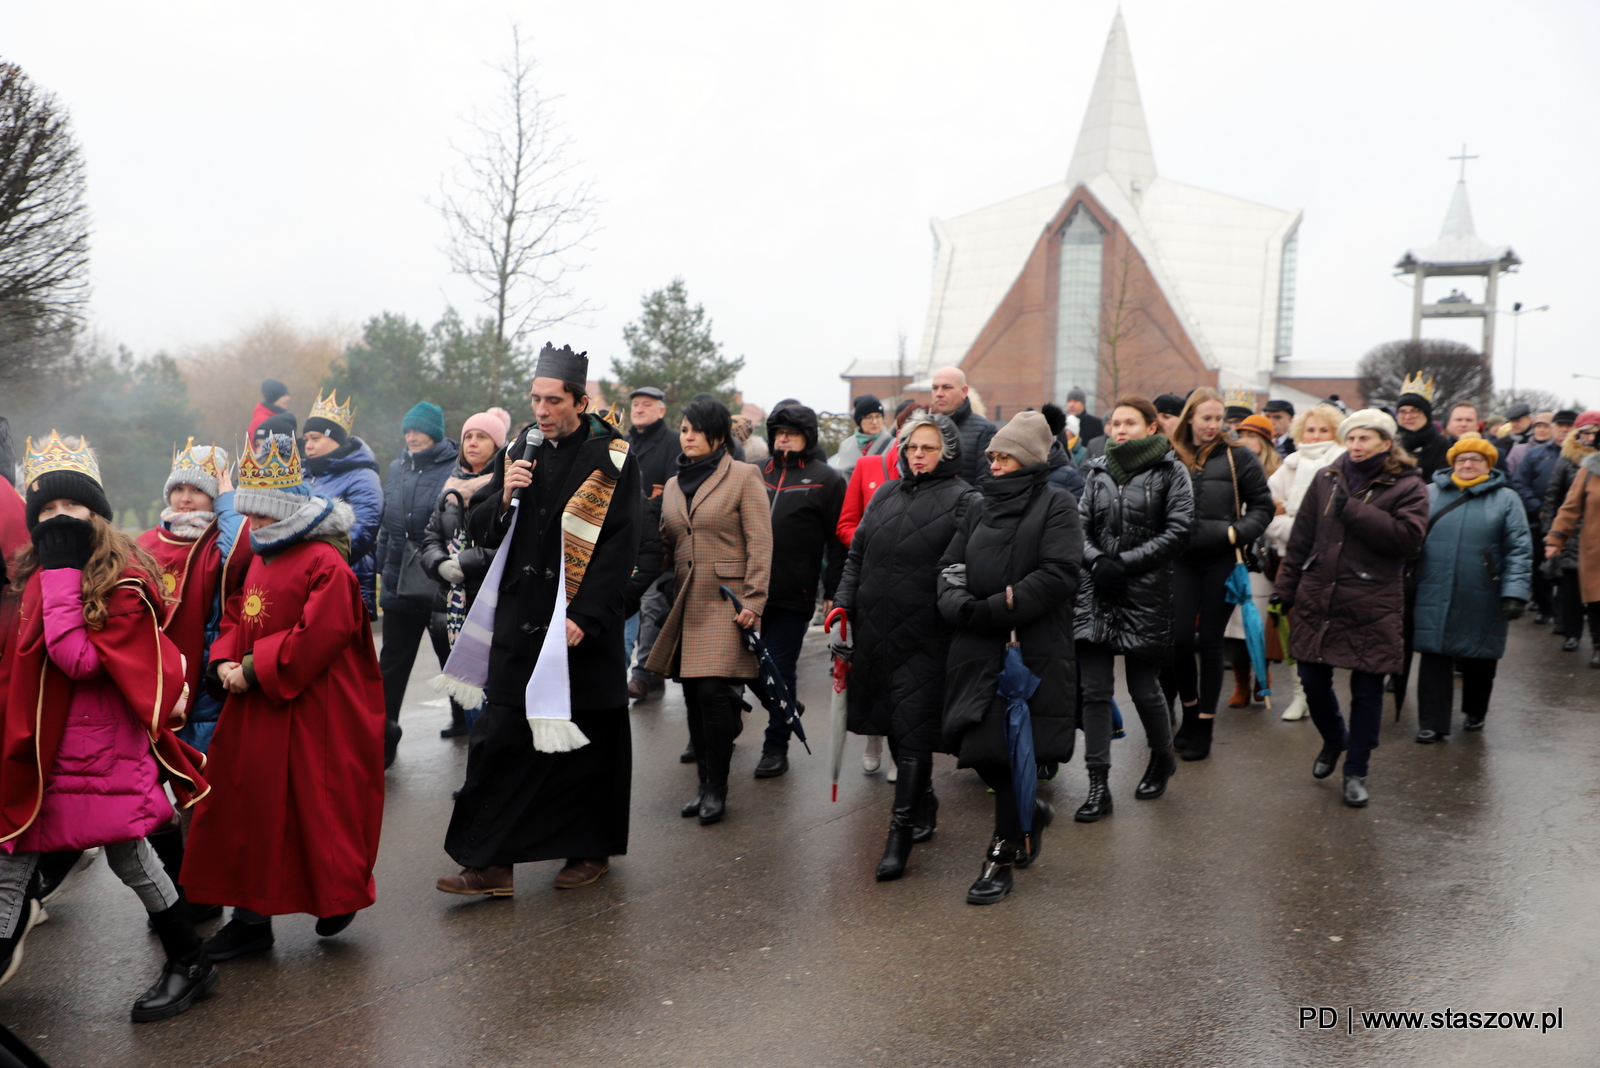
(783, 632)
(630, 638)
(1366, 712)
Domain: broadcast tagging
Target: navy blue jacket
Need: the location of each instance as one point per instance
(350, 473)
(413, 487)
(1533, 475)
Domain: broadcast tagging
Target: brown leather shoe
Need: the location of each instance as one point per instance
(581, 871)
(493, 882)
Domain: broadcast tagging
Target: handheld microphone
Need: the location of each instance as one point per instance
(530, 446)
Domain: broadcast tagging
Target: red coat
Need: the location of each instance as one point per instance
(261, 414)
(870, 473)
(192, 572)
(13, 538)
(141, 661)
(292, 820)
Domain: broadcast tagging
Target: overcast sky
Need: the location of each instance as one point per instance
(785, 159)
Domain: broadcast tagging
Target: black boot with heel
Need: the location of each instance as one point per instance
(1162, 764)
(1098, 803)
(995, 877)
(910, 790)
(188, 974)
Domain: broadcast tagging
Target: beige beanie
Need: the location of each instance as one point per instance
(1026, 439)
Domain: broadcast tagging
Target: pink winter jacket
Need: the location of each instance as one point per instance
(105, 785)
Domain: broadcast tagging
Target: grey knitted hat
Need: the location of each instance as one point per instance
(1026, 438)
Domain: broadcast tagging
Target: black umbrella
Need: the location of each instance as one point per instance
(770, 687)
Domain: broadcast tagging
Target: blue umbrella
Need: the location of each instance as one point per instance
(770, 687)
(1016, 684)
(1255, 638)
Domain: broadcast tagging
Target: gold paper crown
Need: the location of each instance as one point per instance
(1422, 387)
(334, 412)
(57, 455)
(1239, 397)
(272, 471)
(186, 459)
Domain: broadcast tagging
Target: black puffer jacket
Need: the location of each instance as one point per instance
(1024, 533)
(1145, 523)
(976, 432)
(806, 496)
(448, 520)
(890, 589)
(1215, 502)
(409, 494)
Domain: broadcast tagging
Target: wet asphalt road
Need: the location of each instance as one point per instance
(1186, 931)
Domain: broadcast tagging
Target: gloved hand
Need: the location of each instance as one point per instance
(1279, 601)
(63, 541)
(450, 571)
(1340, 499)
(956, 575)
(1513, 608)
(1110, 575)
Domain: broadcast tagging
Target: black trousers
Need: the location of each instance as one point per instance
(1436, 689)
(1096, 675)
(997, 777)
(1366, 713)
(714, 706)
(1199, 616)
(1544, 594)
(403, 629)
(1569, 606)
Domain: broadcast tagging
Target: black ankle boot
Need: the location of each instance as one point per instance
(1326, 761)
(994, 878)
(188, 974)
(926, 820)
(236, 938)
(1098, 803)
(1198, 745)
(692, 809)
(714, 802)
(1186, 729)
(1162, 764)
(911, 783)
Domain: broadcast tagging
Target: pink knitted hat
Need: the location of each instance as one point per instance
(495, 422)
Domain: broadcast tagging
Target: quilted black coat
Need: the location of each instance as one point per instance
(1214, 502)
(1146, 523)
(890, 589)
(1022, 532)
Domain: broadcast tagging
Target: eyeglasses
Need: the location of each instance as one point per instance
(924, 448)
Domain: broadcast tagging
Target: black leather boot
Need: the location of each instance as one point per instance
(1098, 803)
(236, 938)
(1186, 729)
(188, 974)
(1327, 760)
(1198, 744)
(1043, 816)
(714, 801)
(688, 755)
(692, 809)
(926, 819)
(910, 786)
(1163, 762)
(994, 878)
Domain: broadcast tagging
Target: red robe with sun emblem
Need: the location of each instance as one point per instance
(296, 764)
(191, 572)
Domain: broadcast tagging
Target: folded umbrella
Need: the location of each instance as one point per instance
(1017, 684)
(769, 686)
(1255, 637)
(839, 710)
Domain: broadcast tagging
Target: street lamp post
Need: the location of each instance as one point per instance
(1517, 312)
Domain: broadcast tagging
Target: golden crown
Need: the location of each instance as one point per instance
(273, 471)
(1239, 397)
(1422, 387)
(208, 459)
(334, 412)
(57, 455)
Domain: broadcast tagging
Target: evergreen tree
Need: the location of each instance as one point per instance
(670, 347)
(386, 372)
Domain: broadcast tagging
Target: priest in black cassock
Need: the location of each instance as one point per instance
(538, 786)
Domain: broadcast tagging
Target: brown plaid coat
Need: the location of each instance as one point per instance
(723, 538)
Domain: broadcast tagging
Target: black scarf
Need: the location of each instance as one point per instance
(693, 473)
(1009, 495)
(1358, 474)
(1414, 441)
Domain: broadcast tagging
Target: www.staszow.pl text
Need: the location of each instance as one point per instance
(1327, 1018)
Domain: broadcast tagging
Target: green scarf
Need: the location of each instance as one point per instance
(1134, 455)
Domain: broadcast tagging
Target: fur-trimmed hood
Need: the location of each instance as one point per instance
(319, 519)
(1575, 450)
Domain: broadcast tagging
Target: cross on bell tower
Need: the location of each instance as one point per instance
(1458, 252)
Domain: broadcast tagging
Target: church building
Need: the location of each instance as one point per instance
(1115, 280)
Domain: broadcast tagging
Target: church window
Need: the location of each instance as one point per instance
(1078, 306)
(1286, 277)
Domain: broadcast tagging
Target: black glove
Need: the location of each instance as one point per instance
(1340, 499)
(1110, 575)
(63, 541)
(1513, 607)
(1280, 601)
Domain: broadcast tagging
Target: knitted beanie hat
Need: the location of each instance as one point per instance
(269, 484)
(197, 466)
(491, 423)
(1472, 442)
(428, 418)
(866, 405)
(1026, 439)
(1370, 419)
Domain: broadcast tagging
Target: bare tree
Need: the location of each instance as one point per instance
(44, 230)
(1460, 373)
(1540, 400)
(1122, 320)
(518, 211)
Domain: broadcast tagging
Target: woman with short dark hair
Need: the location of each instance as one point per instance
(716, 530)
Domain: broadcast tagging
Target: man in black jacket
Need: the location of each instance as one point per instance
(950, 398)
(583, 501)
(654, 445)
(1090, 427)
(1419, 436)
(806, 495)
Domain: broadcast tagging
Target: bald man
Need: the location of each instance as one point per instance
(950, 398)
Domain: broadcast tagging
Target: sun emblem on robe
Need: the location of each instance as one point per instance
(254, 607)
(169, 582)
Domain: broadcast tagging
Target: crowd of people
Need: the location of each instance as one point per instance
(206, 705)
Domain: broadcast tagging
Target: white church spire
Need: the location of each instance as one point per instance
(1458, 220)
(1114, 137)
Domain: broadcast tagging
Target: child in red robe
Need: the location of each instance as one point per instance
(296, 763)
(91, 692)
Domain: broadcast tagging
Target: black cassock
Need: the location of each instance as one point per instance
(519, 805)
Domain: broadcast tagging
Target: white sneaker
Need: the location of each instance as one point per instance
(872, 759)
(10, 964)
